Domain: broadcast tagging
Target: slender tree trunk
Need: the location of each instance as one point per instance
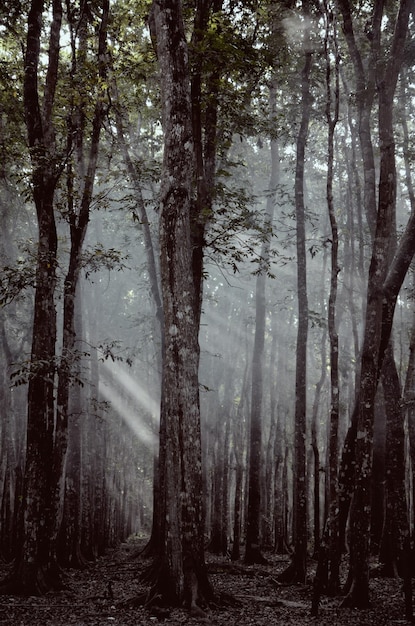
(78, 221)
(315, 446)
(238, 448)
(7, 452)
(365, 80)
(329, 558)
(153, 544)
(70, 535)
(253, 539)
(268, 535)
(296, 572)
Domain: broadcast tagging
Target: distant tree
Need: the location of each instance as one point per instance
(81, 172)
(253, 538)
(15, 294)
(220, 465)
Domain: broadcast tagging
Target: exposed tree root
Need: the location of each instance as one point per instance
(77, 560)
(357, 597)
(200, 595)
(253, 556)
(148, 551)
(291, 575)
(151, 573)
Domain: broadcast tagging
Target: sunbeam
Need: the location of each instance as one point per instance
(123, 392)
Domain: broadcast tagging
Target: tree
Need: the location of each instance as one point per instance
(182, 574)
(296, 572)
(80, 186)
(332, 115)
(134, 173)
(328, 568)
(252, 553)
(35, 569)
(379, 316)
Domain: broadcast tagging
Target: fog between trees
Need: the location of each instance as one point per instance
(229, 177)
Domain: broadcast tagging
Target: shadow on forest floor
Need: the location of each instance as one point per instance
(99, 595)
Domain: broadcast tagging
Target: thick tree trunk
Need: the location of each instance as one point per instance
(35, 567)
(182, 572)
(378, 321)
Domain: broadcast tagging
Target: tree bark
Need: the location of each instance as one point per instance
(182, 573)
(378, 321)
(296, 572)
(327, 573)
(35, 567)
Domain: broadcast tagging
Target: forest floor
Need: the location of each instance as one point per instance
(100, 595)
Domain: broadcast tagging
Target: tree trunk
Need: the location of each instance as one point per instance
(78, 222)
(396, 528)
(378, 322)
(365, 81)
(238, 447)
(253, 539)
(70, 552)
(296, 572)
(327, 573)
(182, 575)
(35, 567)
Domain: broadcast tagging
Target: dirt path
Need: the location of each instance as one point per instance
(99, 596)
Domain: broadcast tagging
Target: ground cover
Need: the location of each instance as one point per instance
(106, 592)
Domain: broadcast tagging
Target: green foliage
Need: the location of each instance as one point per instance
(12, 129)
(27, 369)
(97, 258)
(134, 65)
(15, 280)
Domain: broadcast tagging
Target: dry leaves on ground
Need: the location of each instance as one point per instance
(98, 596)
